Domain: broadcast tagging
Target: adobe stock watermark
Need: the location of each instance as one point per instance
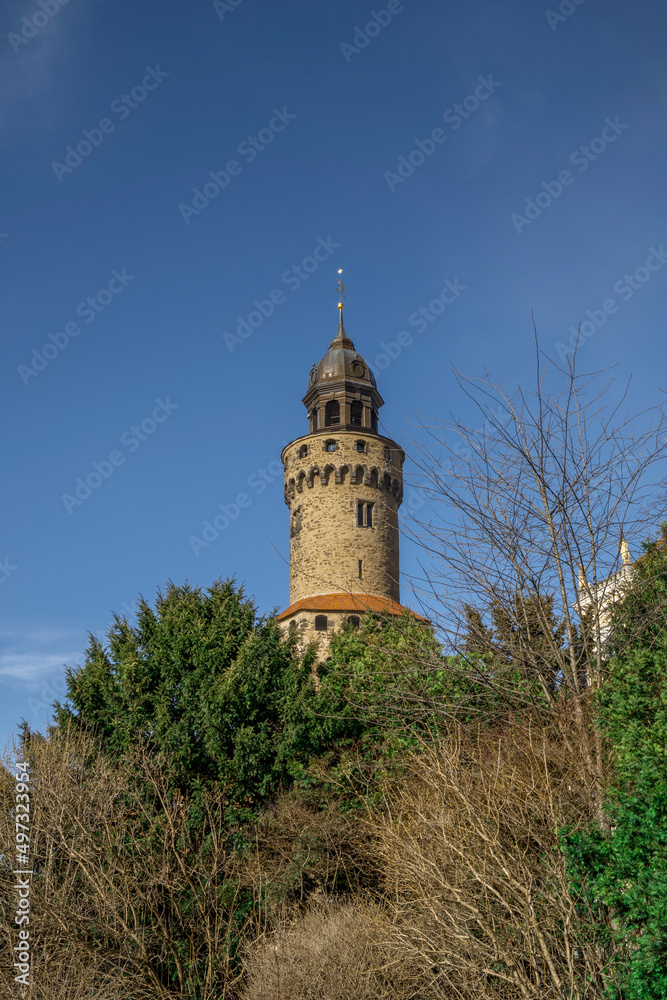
(123, 107)
(292, 278)
(6, 570)
(624, 288)
(131, 439)
(88, 311)
(363, 37)
(257, 483)
(491, 429)
(249, 149)
(22, 871)
(413, 500)
(420, 320)
(454, 116)
(50, 692)
(222, 7)
(565, 9)
(582, 157)
(31, 25)
(127, 610)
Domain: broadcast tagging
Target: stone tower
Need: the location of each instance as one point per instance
(343, 487)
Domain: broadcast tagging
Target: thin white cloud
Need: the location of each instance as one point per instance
(38, 636)
(29, 659)
(30, 668)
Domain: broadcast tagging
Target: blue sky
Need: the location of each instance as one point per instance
(331, 127)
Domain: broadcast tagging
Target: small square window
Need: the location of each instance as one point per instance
(361, 446)
(331, 446)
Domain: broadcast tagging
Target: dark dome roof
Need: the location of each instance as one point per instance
(341, 362)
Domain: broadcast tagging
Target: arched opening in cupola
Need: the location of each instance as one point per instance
(332, 413)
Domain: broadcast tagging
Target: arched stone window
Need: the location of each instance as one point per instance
(356, 413)
(354, 621)
(332, 413)
(292, 627)
(321, 623)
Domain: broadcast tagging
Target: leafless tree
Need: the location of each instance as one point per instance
(535, 501)
(129, 897)
(474, 875)
(525, 515)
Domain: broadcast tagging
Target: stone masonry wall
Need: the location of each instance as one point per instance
(307, 633)
(322, 490)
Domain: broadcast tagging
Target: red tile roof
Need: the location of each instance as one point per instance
(348, 602)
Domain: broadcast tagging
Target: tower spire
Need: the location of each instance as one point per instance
(625, 552)
(341, 335)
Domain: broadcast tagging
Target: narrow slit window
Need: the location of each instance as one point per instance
(364, 514)
(360, 567)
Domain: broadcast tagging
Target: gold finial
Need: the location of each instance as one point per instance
(340, 288)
